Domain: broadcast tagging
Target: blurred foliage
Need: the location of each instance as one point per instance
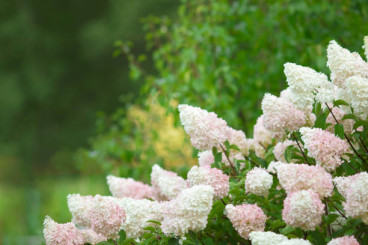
(132, 140)
(223, 56)
(57, 70)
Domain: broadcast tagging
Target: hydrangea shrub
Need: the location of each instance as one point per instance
(301, 179)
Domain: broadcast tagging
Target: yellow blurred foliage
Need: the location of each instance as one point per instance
(169, 142)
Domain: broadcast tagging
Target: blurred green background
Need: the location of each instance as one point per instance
(88, 89)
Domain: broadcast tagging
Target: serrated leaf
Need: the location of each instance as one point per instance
(321, 121)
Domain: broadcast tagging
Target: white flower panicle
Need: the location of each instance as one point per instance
(258, 181)
(127, 187)
(91, 237)
(188, 212)
(167, 184)
(212, 177)
(260, 134)
(344, 64)
(205, 129)
(80, 208)
(365, 47)
(356, 91)
(303, 209)
(271, 238)
(138, 213)
(237, 137)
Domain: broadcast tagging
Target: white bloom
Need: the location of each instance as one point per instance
(80, 208)
(166, 183)
(258, 181)
(357, 94)
(188, 212)
(138, 212)
(344, 64)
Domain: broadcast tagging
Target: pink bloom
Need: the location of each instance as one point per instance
(280, 115)
(205, 158)
(106, 216)
(61, 234)
(297, 177)
(303, 209)
(354, 189)
(166, 184)
(280, 147)
(345, 240)
(127, 187)
(212, 177)
(246, 218)
(258, 181)
(324, 147)
(205, 129)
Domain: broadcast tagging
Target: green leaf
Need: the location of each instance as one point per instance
(122, 236)
(360, 123)
(330, 218)
(339, 131)
(340, 102)
(154, 222)
(287, 230)
(317, 237)
(321, 121)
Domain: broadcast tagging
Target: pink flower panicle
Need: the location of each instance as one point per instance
(297, 177)
(212, 177)
(345, 240)
(260, 134)
(61, 234)
(324, 147)
(246, 218)
(127, 187)
(280, 115)
(354, 189)
(91, 237)
(106, 216)
(303, 209)
(205, 129)
(258, 181)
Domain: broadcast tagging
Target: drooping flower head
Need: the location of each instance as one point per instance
(344, 64)
(324, 147)
(138, 213)
(354, 189)
(297, 177)
(205, 129)
(280, 115)
(127, 187)
(188, 212)
(61, 234)
(205, 158)
(258, 181)
(167, 184)
(212, 177)
(106, 216)
(345, 240)
(246, 218)
(280, 147)
(303, 209)
(80, 207)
